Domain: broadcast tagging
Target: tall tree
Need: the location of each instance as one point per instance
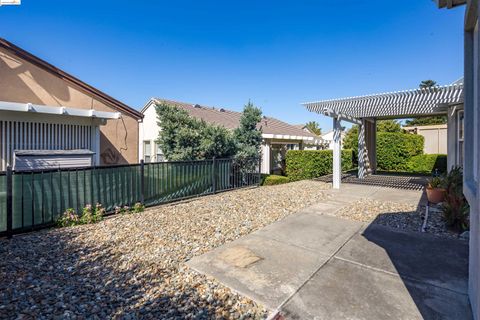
(180, 136)
(183, 137)
(425, 121)
(314, 127)
(427, 83)
(247, 136)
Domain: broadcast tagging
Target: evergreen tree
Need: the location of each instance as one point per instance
(425, 121)
(427, 84)
(183, 137)
(180, 136)
(247, 137)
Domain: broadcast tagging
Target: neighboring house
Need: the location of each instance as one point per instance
(45, 108)
(328, 137)
(278, 136)
(321, 146)
(471, 135)
(435, 137)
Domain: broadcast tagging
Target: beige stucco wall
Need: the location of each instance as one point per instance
(21, 81)
(435, 138)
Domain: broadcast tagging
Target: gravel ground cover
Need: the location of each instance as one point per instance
(396, 215)
(132, 266)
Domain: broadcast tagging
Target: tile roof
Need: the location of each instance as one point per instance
(231, 119)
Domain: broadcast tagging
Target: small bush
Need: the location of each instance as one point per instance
(122, 210)
(436, 182)
(309, 164)
(395, 149)
(90, 214)
(427, 164)
(138, 207)
(68, 218)
(272, 179)
(455, 207)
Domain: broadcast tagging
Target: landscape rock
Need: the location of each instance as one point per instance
(133, 266)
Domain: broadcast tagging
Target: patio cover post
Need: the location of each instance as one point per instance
(367, 147)
(337, 153)
(363, 164)
(372, 144)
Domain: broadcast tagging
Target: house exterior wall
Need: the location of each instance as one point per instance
(22, 81)
(455, 142)
(148, 131)
(471, 162)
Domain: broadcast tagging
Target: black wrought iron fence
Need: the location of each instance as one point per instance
(35, 199)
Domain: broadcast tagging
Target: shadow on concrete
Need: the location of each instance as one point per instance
(434, 270)
(404, 181)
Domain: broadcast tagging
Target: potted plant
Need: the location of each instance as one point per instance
(435, 190)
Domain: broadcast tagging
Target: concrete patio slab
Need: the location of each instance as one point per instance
(318, 233)
(327, 207)
(314, 266)
(343, 290)
(273, 278)
(411, 255)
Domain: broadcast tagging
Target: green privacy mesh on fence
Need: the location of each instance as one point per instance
(3, 202)
(39, 198)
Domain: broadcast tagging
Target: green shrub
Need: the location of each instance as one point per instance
(455, 207)
(138, 207)
(395, 149)
(436, 182)
(89, 214)
(308, 164)
(427, 163)
(273, 179)
(68, 218)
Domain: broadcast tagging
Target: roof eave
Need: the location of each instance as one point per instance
(450, 3)
(114, 103)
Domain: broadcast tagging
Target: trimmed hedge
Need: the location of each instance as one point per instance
(309, 164)
(273, 179)
(394, 150)
(427, 163)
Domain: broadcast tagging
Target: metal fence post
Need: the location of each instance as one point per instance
(259, 179)
(214, 180)
(9, 202)
(142, 181)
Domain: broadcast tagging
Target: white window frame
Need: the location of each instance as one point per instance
(460, 119)
(159, 156)
(147, 151)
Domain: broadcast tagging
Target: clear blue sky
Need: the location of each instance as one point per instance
(223, 53)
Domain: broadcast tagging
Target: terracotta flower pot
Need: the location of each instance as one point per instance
(436, 195)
